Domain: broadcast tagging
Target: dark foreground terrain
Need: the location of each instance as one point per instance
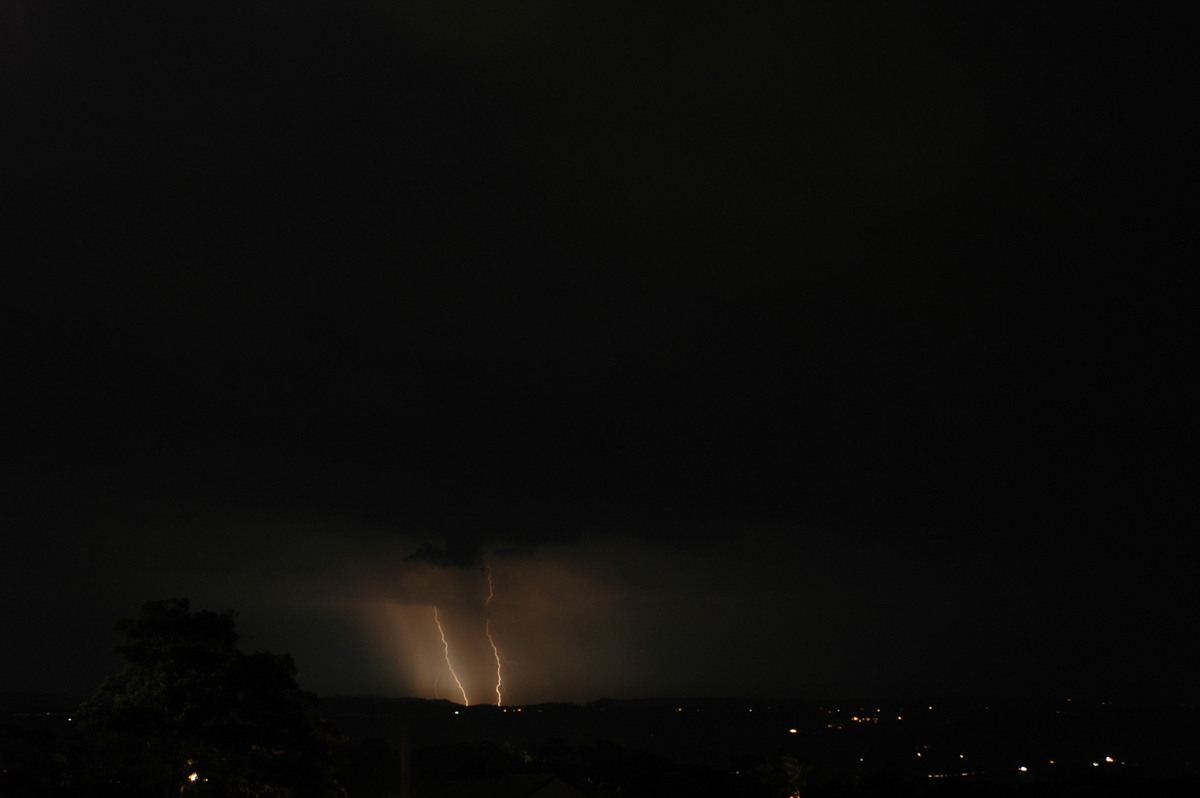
(700, 747)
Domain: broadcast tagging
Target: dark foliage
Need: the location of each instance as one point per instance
(190, 713)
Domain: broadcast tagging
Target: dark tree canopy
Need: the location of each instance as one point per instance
(190, 713)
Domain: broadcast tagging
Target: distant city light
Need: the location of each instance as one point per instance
(791, 731)
(193, 776)
(1108, 759)
(1023, 769)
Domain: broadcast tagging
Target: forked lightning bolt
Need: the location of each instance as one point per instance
(495, 651)
(446, 648)
(488, 631)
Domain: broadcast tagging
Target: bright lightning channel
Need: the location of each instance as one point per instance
(487, 628)
(446, 648)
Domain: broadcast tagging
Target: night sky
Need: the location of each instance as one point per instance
(808, 350)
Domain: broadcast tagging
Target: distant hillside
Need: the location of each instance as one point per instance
(925, 740)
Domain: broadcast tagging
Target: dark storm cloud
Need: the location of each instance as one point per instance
(701, 328)
(456, 554)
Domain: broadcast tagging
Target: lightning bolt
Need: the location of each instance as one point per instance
(487, 629)
(446, 648)
(495, 651)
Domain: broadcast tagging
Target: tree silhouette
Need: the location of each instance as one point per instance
(190, 714)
